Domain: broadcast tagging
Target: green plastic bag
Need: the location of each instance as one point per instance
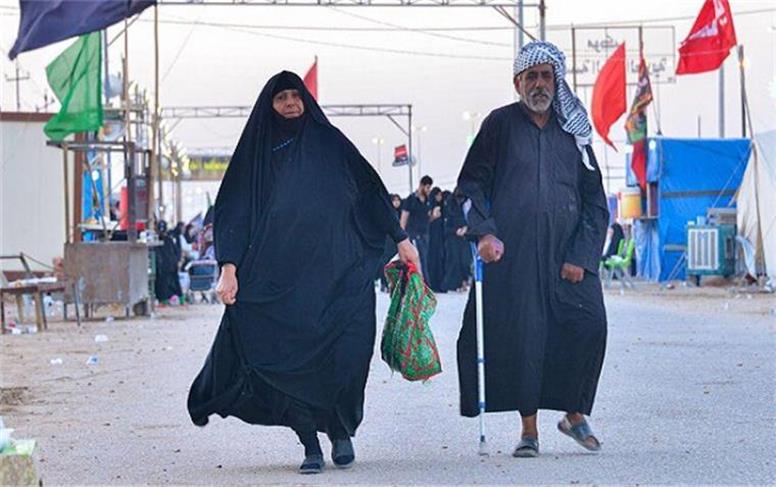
(408, 345)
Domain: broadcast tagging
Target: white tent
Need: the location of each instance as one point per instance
(757, 202)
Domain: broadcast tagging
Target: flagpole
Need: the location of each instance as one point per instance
(742, 79)
(721, 106)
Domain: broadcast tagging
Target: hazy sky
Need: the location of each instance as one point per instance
(442, 73)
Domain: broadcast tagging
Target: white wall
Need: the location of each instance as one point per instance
(32, 216)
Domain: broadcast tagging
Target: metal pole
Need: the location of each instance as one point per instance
(521, 20)
(155, 157)
(18, 94)
(108, 162)
(574, 57)
(67, 193)
(129, 153)
(179, 196)
(721, 106)
(743, 89)
(131, 196)
(542, 20)
(409, 136)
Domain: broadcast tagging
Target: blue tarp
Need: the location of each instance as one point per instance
(693, 175)
(647, 249)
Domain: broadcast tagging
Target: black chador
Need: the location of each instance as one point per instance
(304, 218)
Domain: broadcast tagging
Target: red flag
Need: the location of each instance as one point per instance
(709, 41)
(639, 162)
(636, 124)
(608, 102)
(311, 79)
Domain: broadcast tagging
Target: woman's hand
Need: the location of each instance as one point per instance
(408, 253)
(227, 284)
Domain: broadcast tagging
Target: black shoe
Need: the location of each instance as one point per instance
(312, 464)
(342, 453)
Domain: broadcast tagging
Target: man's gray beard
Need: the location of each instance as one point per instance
(538, 107)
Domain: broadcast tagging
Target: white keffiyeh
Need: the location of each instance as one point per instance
(568, 108)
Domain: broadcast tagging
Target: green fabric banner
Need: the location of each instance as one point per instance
(75, 77)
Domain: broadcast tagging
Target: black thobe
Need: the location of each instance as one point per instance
(544, 336)
(296, 346)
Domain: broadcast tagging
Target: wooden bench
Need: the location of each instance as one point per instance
(36, 290)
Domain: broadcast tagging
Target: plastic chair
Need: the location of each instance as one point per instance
(618, 265)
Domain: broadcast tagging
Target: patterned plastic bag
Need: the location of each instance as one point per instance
(408, 345)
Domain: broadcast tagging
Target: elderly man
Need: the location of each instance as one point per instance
(539, 215)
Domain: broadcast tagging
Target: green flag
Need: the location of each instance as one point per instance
(75, 78)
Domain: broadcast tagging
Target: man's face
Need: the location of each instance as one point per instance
(425, 190)
(288, 103)
(536, 86)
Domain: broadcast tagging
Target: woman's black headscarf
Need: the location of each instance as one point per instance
(285, 129)
(242, 221)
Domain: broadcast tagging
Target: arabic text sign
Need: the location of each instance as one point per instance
(594, 45)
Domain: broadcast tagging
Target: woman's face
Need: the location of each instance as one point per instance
(396, 202)
(288, 103)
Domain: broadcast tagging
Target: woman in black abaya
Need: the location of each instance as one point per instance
(436, 243)
(297, 335)
(458, 254)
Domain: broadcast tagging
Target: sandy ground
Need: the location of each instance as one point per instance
(687, 396)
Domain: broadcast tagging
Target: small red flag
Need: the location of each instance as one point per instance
(311, 79)
(710, 39)
(639, 162)
(608, 103)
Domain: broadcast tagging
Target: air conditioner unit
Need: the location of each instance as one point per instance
(711, 250)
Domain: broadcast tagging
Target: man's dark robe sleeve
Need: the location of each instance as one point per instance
(586, 245)
(476, 180)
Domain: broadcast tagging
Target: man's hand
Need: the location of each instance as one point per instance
(408, 253)
(572, 273)
(490, 248)
(227, 284)
(461, 232)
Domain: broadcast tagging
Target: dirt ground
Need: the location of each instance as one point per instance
(84, 415)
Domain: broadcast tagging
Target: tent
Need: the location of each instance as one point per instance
(756, 201)
(687, 176)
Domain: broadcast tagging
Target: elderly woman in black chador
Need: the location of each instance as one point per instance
(296, 338)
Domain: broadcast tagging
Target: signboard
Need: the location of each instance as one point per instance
(588, 48)
(206, 167)
(400, 156)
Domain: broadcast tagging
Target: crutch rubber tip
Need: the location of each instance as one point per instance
(483, 449)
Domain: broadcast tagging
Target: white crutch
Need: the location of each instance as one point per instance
(478, 267)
